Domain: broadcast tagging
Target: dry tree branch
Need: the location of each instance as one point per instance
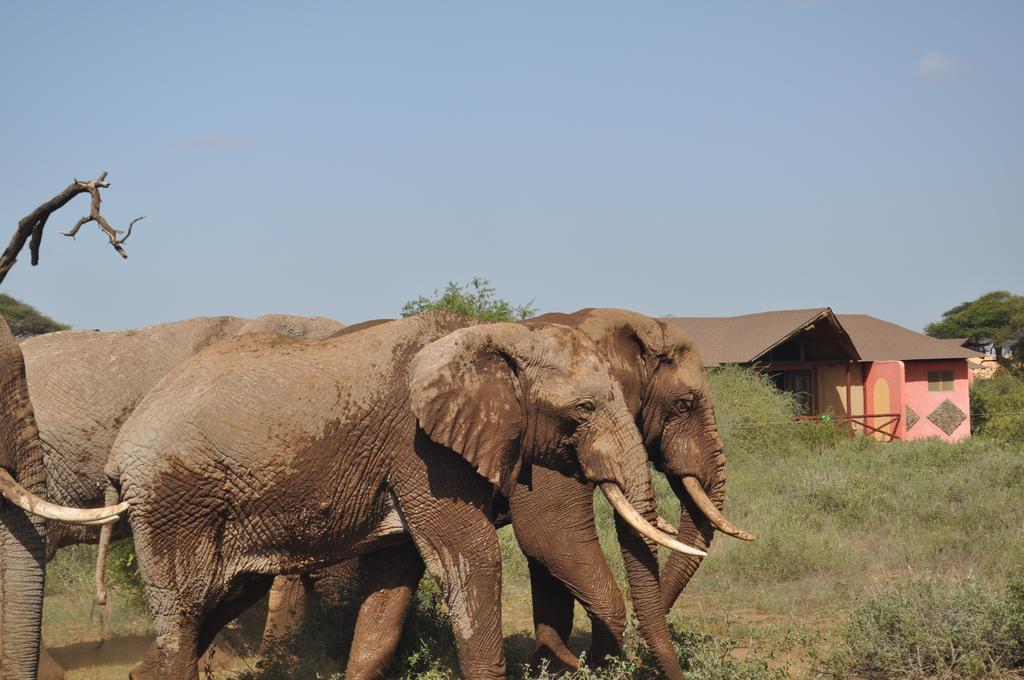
(31, 226)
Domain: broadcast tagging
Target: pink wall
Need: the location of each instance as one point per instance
(884, 392)
(917, 397)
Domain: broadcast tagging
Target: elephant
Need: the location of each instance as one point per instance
(264, 455)
(83, 385)
(666, 390)
(24, 510)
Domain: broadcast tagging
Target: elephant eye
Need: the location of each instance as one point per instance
(586, 406)
(686, 403)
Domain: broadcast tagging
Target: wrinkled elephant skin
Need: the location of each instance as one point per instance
(665, 387)
(263, 456)
(84, 384)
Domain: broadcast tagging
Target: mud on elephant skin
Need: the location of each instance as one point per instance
(286, 457)
(83, 385)
(666, 390)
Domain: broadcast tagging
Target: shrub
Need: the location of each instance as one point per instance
(25, 320)
(933, 628)
(997, 407)
(756, 418)
(703, 657)
(753, 415)
(475, 299)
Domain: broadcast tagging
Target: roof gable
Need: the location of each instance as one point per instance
(744, 339)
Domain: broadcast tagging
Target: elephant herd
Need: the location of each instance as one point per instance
(240, 451)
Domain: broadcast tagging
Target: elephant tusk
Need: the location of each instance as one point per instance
(101, 522)
(641, 525)
(704, 504)
(29, 502)
(663, 524)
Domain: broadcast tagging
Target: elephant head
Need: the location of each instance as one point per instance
(22, 517)
(506, 396)
(666, 385)
(666, 389)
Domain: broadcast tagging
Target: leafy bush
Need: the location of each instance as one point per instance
(755, 418)
(933, 628)
(475, 299)
(997, 407)
(703, 657)
(26, 320)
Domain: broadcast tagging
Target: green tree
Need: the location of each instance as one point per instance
(994, 321)
(26, 320)
(474, 299)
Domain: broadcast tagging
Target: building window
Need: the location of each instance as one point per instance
(940, 381)
(798, 383)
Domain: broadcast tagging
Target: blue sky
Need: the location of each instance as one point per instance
(672, 158)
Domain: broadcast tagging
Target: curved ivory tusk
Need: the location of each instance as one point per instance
(662, 524)
(29, 502)
(101, 522)
(704, 504)
(641, 525)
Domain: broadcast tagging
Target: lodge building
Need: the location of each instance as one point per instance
(872, 375)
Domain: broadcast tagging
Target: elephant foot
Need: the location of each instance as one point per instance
(215, 659)
(49, 669)
(558, 657)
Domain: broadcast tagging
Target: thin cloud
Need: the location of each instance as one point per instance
(936, 65)
(212, 143)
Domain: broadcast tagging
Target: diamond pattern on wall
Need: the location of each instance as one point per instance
(947, 417)
(912, 418)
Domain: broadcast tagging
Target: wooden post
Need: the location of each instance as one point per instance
(849, 404)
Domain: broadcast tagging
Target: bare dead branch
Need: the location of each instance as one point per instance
(31, 226)
(130, 225)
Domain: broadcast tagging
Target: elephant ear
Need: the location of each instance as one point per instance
(465, 392)
(635, 345)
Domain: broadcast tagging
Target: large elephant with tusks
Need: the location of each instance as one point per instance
(263, 456)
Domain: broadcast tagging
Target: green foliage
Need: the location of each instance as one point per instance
(26, 320)
(704, 657)
(755, 417)
(475, 299)
(997, 407)
(931, 628)
(994, 320)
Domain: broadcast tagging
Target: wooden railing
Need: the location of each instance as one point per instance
(891, 420)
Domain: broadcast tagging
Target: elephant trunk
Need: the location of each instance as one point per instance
(695, 468)
(635, 517)
(22, 535)
(694, 528)
(23, 546)
(640, 557)
(616, 459)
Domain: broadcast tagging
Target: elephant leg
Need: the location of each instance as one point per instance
(552, 619)
(150, 666)
(390, 577)
(49, 669)
(554, 524)
(446, 506)
(288, 610)
(177, 641)
(180, 589)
